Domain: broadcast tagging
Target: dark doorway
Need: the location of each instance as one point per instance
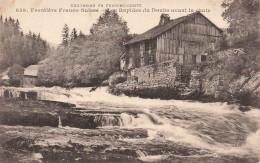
(203, 58)
(193, 58)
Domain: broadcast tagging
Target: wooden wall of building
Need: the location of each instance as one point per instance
(189, 38)
(29, 81)
(186, 42)
(137, 55)
(133, 59)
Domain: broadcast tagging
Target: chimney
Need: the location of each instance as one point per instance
(165, 18)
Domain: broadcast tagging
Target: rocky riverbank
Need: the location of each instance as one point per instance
(222, 78)
(54, 114)
(30, 128)
(165, 93)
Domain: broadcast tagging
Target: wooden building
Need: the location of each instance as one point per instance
(187, 39)
(4, 78)
(30, 76)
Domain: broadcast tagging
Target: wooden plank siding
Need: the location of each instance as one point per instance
(186, 41)
(194, 36)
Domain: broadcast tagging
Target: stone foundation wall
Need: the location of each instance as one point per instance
(215, 86)
(32, 94)
(212, 86)
(163, 74)
(195, 81)
(16, 93)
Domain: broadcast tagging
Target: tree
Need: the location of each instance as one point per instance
(65, 36)
(30, 33)
(90, 58)
(73, 35)
(16, 75)
(81, 35)
(242, 16)
(17, 26)
(110, 26)
(15, 48)
(105, 45)
(39, 37)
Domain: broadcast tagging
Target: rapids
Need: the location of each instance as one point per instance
(175, 129)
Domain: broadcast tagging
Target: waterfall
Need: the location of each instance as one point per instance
(141, 154)
(107, 120)
(60, 124)
(125, 119)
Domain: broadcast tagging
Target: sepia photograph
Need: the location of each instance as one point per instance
(129, 81)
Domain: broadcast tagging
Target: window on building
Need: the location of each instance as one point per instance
(212, 45)
(203, 58)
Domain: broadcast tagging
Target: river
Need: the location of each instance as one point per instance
(152, 130)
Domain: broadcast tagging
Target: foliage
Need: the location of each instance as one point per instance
(65, 36)
(119, 80)
(89, 59)
(19, 48)
(230, 63)
(116, 78)
(109, 27)
(243, 16)
(73, 35)
(243, 19)
(81, 35)
(223, 44)
(16, 75)
(51, 73)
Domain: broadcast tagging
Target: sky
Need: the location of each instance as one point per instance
(50, 24)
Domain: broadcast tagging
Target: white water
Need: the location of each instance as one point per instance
(82, 95)
(199, 125)
(60, 124)
(182, 135)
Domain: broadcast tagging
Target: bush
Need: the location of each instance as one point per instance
(16, 75)
(90, 60)
(118, 80)
(105, 83)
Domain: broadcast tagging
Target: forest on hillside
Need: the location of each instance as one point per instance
(18, 48)
(87, 60)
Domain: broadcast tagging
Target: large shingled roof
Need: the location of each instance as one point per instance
(157, 30)
(4, 74)
(31, 70)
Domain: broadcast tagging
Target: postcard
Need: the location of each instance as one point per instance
(129, 81)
